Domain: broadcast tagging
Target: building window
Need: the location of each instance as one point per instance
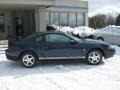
(54, 18)
(72, 19)
(64, 19)
(80, 19)
(2, 23)
(47, 18)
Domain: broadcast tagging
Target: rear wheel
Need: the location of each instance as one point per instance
(94, 57)
(28, 59)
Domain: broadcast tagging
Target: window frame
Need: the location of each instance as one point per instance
(83, 16)
(70, 13)
(77, 18)
(44, 39)
(67, 21)
(54, 16)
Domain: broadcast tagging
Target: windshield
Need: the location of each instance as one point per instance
(73, 37)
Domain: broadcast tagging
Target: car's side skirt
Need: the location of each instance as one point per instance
(49, 58)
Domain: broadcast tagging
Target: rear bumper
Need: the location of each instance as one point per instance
(109, 53)
(12, 55)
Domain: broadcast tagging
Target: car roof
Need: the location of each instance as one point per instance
(48, 32)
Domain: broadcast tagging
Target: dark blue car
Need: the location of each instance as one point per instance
(57, 45)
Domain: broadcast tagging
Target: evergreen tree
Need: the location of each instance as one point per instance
(118, 20)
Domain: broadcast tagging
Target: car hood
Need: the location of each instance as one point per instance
(94, 41)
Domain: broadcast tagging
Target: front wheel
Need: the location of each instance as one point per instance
(94, 57)
(28, 59)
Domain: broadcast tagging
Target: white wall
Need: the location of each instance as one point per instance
(77, 3)
(40, 17)
(28, 2)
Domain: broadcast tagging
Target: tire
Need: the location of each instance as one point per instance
(94, 57)
(100, 38)
(28, 59)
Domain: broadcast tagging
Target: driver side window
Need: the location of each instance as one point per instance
(57, 38)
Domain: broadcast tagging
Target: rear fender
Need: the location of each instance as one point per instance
(37, 52)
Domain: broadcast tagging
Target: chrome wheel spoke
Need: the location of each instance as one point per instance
(94, 54)
(31, 61)
(27, 63)
(25, 58)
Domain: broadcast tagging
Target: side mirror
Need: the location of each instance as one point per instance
(72, 41)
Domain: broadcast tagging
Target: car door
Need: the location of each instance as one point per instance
(58, 46)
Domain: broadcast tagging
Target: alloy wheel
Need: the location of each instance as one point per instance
(94, 57)
(28, 60)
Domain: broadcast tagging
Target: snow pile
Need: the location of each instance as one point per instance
(61, 76)
(66, 29)
(82, 30)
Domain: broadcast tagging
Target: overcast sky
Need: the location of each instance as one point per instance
(96, 4)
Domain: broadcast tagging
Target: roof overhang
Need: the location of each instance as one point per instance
(61, 5)
(67, 8)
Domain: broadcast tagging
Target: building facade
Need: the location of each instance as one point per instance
(25, 17)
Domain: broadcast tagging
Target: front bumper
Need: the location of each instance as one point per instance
(109, 53)
(12, 55)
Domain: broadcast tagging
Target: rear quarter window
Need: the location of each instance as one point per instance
(31, 37)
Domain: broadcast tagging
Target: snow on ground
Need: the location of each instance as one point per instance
(61, 76)
(112, 30)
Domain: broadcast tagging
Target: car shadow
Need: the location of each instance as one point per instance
(11, 68)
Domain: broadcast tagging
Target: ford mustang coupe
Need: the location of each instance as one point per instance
(57, 45)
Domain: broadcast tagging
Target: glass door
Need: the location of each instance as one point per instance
(19, 27)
